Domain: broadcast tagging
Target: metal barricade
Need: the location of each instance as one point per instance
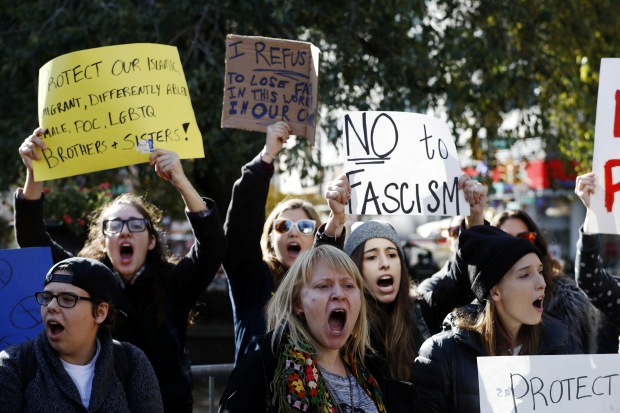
(213, 371)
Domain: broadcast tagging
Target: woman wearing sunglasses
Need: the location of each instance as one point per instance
(563, 298)
(157, 293)
(261, 251)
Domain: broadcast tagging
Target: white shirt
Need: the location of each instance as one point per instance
(82, 376)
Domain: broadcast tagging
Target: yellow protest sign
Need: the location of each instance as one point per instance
(112, 106)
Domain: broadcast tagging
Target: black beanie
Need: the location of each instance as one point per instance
(489, 253)
(89, 275)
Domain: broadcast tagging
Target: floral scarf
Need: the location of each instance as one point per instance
(299, 387)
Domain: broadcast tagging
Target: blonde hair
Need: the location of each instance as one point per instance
(266, 242)
(280, 310)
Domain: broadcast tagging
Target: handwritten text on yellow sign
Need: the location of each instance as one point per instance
(111, 106)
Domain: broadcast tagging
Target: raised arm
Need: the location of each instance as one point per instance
(449, 288)
(30, 230)
(602, 288)
(337, 194)
(246, 213)
(29, 153)
(168, 166)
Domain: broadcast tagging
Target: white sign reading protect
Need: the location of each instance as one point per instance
(550, 384)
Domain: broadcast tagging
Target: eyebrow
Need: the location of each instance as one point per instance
(377, 248)
(525, 267)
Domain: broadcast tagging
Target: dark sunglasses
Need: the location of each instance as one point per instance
(528, 235)
(454, 231)
(304, 226)
(114, 226)
(65, 300)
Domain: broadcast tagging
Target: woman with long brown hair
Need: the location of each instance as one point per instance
(564, 300)
(156, 294)
(506, 277)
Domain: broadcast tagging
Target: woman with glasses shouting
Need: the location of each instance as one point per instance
(156, 293)
(261, 251)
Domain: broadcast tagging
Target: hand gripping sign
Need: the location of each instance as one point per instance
(401, 163)
(270, 80)
(111, 106)
(604, 203)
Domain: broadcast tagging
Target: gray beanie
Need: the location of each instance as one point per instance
(369, 230)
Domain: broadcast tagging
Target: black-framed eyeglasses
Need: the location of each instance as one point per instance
(114, 226)
(304, 226)
(454, 231)
(65, 300)
(528, 235)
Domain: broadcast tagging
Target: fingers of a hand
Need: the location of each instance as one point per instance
(283, 127)
(28, 149)
(337, 194)
(463, 178)
(473, 188)
(162, 171)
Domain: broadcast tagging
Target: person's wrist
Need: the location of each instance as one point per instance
(266, 156)
(337, 222)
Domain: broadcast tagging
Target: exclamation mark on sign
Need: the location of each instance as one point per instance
(186, 125)
(617, 116)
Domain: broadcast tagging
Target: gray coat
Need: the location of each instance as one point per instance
(53, 391)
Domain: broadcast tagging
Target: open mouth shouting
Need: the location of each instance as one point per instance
(538, 304)
(54, 329)
(126, 252)
(337, 321)
(386, 283)
(293, 249)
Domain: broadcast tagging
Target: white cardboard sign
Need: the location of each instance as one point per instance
(401, 163)
(550, 384)
(605, 203)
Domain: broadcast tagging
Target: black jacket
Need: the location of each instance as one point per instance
(163, 343)
(248, 386)
(446, 371)
(249, 278)
(601, 287)
(450, 288)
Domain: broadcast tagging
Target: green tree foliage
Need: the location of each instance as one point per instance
(539, 57)
(365, 45)
(474, 60)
